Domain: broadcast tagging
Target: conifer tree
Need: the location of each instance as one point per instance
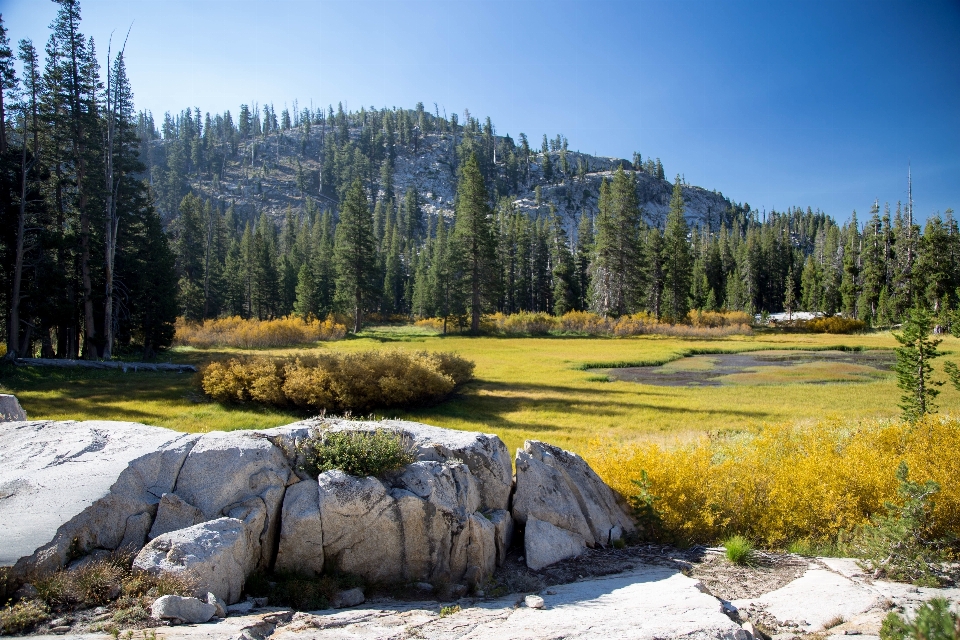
(914, 368)
(616, 279)
(676, 259)
(306, 304)
(354, 254)
(473, 242)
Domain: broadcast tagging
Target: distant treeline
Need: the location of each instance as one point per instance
(108, 233)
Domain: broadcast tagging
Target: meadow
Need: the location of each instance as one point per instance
(548, 388)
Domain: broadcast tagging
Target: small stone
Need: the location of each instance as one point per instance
(59, 622)
(241, 608)
(218, 603)
(60, 630)
(348, 598)
(535, 602)
(551, 592)
(480, 593)
(458, 590)
(423, 586)
(180, 609)
(103, 616)
(259, 602)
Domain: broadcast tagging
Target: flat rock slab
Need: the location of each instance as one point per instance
(815, 598)
(654, 602)
(51, 472)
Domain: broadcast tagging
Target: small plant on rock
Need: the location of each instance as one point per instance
(357, 453)
(738, 550)
(449, 611)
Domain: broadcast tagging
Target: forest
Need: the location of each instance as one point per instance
(113, 228)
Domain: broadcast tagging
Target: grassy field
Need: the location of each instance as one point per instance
(524, 388)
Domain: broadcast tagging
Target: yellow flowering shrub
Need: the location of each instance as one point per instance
(787, 483)
(338, 381)
(252, 334)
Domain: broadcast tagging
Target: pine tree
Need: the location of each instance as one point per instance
(354, 254)
(810, 286)
(616, 281)
(564, 292)
(473, 243)
(676, 259)
(789, 294)
(306, 304)
(914, 368)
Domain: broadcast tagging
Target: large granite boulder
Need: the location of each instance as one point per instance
(237, 474)
(69, 487)
(422, 524)
(558, 487)
(218, 555)
(301, 530)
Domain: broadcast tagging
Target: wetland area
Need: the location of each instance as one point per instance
(762, 368)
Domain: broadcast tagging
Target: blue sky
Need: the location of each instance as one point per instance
(777, 104)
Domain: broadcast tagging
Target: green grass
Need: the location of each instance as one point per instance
(738, 550)
(524, 388)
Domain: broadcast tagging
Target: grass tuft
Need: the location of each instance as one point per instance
(739, 550)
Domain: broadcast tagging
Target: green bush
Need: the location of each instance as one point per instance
(739, 550)
(22, 617)
(355, 382)
(933, 621)
(358, 453)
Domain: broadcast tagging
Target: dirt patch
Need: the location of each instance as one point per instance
(763, 367)
(720, 577)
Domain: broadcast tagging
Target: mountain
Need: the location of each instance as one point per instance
(280, 167)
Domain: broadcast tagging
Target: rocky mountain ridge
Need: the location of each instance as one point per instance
(264, 174)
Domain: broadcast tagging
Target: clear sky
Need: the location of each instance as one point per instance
(777, 104)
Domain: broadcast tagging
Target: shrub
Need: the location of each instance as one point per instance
(90, 585)
(899, 544)
(826, 324)
(22, 616)
(251, 334)
(357, 453)
(714, 319)
(933, 620)
(738, 549)
(785, 482)
(338, 381)
(523, 323)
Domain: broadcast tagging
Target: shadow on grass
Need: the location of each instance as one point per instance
(487, 405)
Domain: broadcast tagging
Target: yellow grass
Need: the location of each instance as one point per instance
(523, 388)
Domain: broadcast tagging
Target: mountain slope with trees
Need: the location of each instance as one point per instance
(113, 226)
